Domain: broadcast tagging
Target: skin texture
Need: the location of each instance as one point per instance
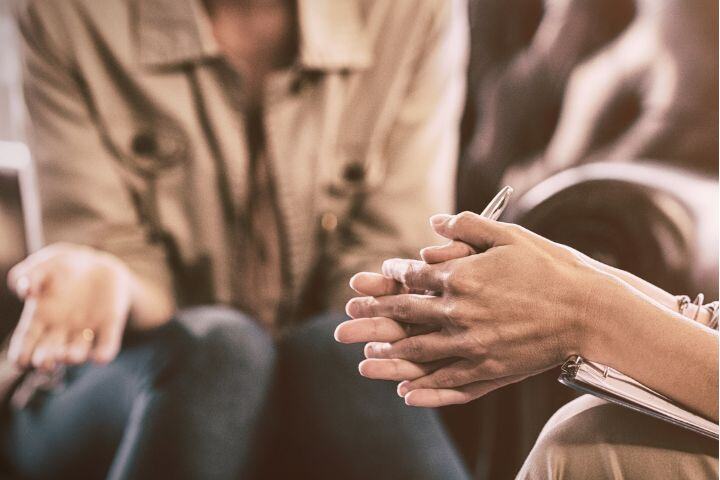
(521, 306)
(256, 36)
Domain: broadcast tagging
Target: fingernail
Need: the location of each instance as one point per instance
(349, 306)
(409, 401)
(439, 219)
(402, 389)
(353, 281)
(22, 286)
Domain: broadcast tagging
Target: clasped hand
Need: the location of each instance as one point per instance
(460, 324)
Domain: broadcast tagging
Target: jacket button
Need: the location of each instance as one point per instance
(156, 150)
(354, 172)
(329, 221)
(144, 144)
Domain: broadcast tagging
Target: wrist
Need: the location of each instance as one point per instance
(149, 306)
(605, 303)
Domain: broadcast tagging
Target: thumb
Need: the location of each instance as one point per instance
(26, 283)
(479, 232)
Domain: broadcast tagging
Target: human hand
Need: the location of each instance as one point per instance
(77, 301)
(519, 308)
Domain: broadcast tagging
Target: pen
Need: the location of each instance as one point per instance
(497, 205)
(493, 210)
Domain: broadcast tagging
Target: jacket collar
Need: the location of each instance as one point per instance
(172, 33)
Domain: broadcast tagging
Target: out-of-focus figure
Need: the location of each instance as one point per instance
(212, 172)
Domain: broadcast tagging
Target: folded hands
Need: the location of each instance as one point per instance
(495, 305)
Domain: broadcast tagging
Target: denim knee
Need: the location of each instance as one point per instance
(313, 341)
(219, 339)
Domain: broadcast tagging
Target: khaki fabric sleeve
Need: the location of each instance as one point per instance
(84, 198)
(421, 157)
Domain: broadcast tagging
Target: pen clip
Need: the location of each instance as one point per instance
(498, 204)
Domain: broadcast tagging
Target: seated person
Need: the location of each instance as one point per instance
(212, 173)
(522, 306)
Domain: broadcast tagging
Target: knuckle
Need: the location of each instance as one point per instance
(476, 345)
(476, 349)
(401, 309)
(464, 216)
(513, 229)
(444, 379)
(450, 279)
(105, 354)
(411, 348)
(456, 280)
(413, 274)
(516, 232)
(365, 306)
(453, 312)
(463, 219)
(492, 368)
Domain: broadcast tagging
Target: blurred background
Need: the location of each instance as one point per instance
(603, 114)
(11, 103)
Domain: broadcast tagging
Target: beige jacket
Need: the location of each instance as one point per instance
(138, 136)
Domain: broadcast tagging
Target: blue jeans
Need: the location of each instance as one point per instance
(211, 396)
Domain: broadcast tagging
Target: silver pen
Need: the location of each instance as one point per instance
(493, 211)
(497, 205)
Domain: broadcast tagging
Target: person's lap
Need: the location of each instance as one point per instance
(185, 401)
(341, 425)
(591, 438)
(135, 417)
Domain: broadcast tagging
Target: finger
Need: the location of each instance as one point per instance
(415, 274)
(107, 342)
(32, 268)
(443, 253)
(433, 398)
(396, 369)
(457, 374)
(27, 282)
(376, 329)
(26, 335)
(78, 349)
(421, 348)
(43, 357)
(409, 308)
(375, 285)
(59, 349)
(481, 233)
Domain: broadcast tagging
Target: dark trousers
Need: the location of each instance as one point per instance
(211, 396)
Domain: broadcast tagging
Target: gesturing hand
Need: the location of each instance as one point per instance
(512, 311)
(76, 305)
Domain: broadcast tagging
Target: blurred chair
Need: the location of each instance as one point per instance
(559, 83)
(654, 220)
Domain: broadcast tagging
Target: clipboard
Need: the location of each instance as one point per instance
(609, 384)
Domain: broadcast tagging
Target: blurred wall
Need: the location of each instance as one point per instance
(11, 104)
